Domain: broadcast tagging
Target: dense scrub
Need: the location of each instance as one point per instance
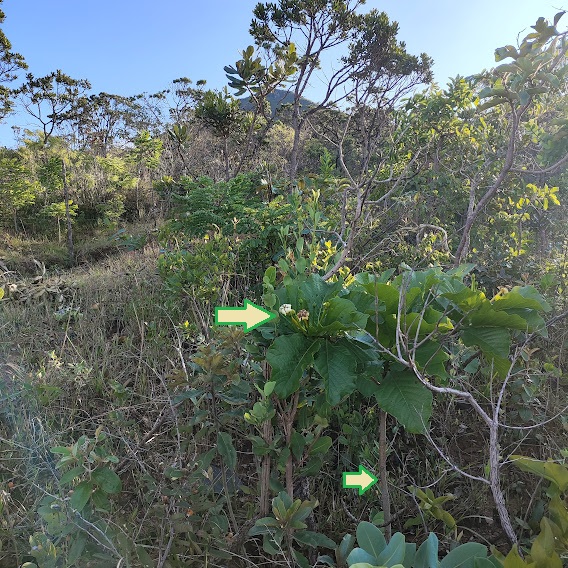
(411, 248)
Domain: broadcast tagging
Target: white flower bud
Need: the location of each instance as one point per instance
(285, 309)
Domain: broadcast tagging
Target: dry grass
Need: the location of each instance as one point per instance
(96, 354)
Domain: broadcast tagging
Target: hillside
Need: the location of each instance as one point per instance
(279, 98)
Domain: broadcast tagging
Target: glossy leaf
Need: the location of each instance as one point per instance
(427, 553)
(394, 552)
(370, 538)
(464, 556)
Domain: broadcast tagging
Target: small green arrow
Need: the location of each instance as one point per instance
(251, 316)
(362, 479)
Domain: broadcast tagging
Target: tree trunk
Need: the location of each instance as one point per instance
(226, 156)
(383, 473)
(70, 248)
(294, 154)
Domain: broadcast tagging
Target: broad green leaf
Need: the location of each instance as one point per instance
(493, 341)
(370, 538)
(534, 322)
(345, 547)
(394, 552)
(314, 292)
(427, 554)
(464, 556)
(72, 474)
(227, 450)
(290, 356)
(387, 295)
(430, 358)
(100, 500)
(358, 555)
(366, 385)
(409, 554)
(483, 563)
(521, 297)
(402, 396)
(466, 299)
(76, 549)
(369, 280)
(543, 551)
(62, 450)
(338, 368)
(313, 467)
(554, 472)
(489, 317)
(341, 314)
(513, 560)
(314, 539)
(107, 480)
(301, 559)
(297, 444)
(493, 103)
(321, 445)
(81, 495)
(506, 68)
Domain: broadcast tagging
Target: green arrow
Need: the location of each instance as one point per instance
(251, 316)
(362, 480)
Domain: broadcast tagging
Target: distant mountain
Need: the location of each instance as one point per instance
(278, 98)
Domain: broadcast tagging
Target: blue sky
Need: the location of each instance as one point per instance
(131, 46)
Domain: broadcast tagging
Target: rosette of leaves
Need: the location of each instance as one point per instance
(373, 551)
(285, 531)
(315, 340)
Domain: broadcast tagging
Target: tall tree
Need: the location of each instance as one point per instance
(16, 188)
(222, 113)
(103, 118)
(10, 64)
(537, 68)
(319, 28)
(52, 100)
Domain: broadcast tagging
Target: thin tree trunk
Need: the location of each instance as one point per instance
(70, 247)
(295, 152)
(494, 481)
(226, 156)
(383, 473)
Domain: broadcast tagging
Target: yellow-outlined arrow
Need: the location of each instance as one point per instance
(251, 316)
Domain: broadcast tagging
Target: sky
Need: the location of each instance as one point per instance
(127, 47)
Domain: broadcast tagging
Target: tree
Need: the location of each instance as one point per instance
(16, 188)
(538, 67)
(52, 100)
(222, 113)
(103, 118)
(316, 27)
(146, 156)
(10, 64)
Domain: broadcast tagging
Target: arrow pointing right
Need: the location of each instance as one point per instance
(362, 480)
